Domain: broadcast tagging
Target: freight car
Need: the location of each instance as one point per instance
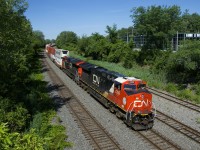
(127, 97)
(50, 49)
(59, 55)
(56, 54)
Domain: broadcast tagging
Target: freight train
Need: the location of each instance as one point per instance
(127, 97)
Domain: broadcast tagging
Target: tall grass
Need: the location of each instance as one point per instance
(157, 80)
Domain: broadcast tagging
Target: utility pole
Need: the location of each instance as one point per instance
(177, 41)
(127, 38)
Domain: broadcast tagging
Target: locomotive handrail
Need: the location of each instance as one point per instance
(129, 111)
(155, 112)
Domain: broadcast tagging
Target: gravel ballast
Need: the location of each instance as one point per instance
(74, 134)
(125, 136)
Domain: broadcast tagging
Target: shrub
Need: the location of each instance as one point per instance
(171, 88)
(186, 94)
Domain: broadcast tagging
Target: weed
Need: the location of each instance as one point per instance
(198, 120)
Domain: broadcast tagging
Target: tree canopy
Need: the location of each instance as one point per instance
(15, 39)
(38, 39)
(66, 40)
(190, 23)
(112, 33)
(157, 23)
(23, 98)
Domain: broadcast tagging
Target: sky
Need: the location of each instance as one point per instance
(85, 17)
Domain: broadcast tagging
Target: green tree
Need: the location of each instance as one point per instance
(158, 23)
(126, 34)
(98, 47)
(15, 46)
(183, 66)
(67, 40)
(32, 140)
(15, 114)
(118, 52)
(83, 43)
(112, 33)
(20, 95)
(47, 41)
(190, 23)
(38, 40)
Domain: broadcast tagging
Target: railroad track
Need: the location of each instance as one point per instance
(158, 141)
(178, 126)
(174, 99)
(97, 136)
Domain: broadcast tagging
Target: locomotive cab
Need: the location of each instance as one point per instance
(131, 95)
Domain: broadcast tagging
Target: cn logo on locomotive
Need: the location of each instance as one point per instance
(96, 79)
(140, 103)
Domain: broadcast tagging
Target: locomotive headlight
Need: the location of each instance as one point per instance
(124, 101)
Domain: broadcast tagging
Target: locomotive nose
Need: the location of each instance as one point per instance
(142, 103)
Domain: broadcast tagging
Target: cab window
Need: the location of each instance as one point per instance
(141, 86)
(64, 52)
(130, 89)
(118, 85)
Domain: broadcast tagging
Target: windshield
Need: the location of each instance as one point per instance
(130, 89)
(141, 86)
(65, 52)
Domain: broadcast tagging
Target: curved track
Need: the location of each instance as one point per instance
(97, 136)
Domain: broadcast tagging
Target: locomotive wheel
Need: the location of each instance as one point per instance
(107, 104)
(112, 109)
(83, 86)
(87, 90)
(119, 114)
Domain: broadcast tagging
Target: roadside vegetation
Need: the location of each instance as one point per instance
(175, 72)
(26, 111)
(25, 107)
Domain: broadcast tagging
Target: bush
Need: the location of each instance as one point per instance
(15, 140)
(54, 134)
(16, 115)
(171, 88)
(197, 89)
(186, 94)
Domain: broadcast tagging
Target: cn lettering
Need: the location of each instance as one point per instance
(140, 103)
(96, 79)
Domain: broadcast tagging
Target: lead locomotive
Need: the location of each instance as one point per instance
(125, 96)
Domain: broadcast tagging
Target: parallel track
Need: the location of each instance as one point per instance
(178, 126)
(173, 123)
(158, 141)
(97, 136)
(174, 99)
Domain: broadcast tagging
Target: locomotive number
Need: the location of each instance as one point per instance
(140, 103)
